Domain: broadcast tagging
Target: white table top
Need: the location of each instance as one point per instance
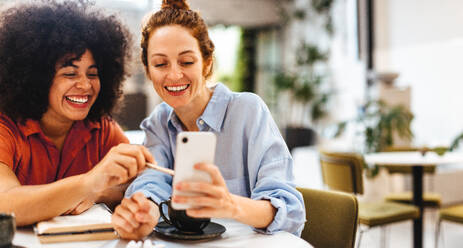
(237, 235)
(413, 158)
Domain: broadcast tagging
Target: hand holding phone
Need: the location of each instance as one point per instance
(192, 148)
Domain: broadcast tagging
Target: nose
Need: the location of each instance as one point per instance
(175, 73)
(83, 83)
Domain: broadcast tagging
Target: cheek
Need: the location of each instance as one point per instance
(97, 86)
(155, 78)
(157, 84)
(55, 93)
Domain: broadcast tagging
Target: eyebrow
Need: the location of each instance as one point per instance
(163, 55)
(70, 63)
(187, 51)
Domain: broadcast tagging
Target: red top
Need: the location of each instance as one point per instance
(36, 160)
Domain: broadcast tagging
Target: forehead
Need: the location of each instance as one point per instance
(172, 39)
(72, 59)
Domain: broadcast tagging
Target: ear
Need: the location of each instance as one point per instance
(147, 73)
(207, 66)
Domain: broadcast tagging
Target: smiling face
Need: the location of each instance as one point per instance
(176, 68)
(75, 87)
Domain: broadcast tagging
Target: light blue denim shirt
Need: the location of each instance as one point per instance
(251, 155)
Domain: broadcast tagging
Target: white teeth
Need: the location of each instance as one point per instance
(77, 99)
(176, 88)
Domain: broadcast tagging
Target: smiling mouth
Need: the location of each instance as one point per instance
(78, 99)
(177, 88)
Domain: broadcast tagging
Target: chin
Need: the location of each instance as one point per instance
(79, 117)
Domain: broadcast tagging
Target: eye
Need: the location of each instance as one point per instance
(70, 74)
(92, 75)
(160, 65)
(187, 63)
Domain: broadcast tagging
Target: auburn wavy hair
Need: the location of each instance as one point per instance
(178, 12)
(35, 36)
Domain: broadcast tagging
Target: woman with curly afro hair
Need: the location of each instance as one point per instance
(62, 65)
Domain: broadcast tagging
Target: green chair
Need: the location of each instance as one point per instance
(331, 218)
(343, 172)
(452, 214)
(430, 199)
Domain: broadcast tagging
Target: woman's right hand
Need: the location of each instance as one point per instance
(135, 217)
(122, 163)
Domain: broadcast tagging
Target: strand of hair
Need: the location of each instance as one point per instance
(175, 4)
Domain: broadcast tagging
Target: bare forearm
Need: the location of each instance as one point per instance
(113, 196)
(256, 213)
(35, 203)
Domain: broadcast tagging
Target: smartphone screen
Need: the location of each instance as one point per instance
(192, 148)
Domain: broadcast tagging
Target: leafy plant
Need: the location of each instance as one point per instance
(299, 14)
(322, 6)
(382, 121)
(304, 85)
(456, 142)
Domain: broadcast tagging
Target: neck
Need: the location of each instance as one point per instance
(55, 129)
(190, 113)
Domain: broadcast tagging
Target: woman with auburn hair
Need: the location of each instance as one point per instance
(252, 181)
(62, 65)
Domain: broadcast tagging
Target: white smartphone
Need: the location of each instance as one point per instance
(192, 148)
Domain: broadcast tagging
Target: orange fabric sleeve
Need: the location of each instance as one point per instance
(7, 145)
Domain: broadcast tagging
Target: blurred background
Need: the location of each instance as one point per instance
(317, 63)
(357, 75)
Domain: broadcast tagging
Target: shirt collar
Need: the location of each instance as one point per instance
(214, 113)
(31, 127)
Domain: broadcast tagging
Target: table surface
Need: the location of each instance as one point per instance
(413, 158)
(237, 235)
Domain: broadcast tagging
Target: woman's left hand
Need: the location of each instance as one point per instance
(215, 200)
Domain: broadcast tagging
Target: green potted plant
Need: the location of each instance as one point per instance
(304, 82)
(456, 142)
(306, 95)
(381, 123)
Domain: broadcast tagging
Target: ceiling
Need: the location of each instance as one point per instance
(245, 13)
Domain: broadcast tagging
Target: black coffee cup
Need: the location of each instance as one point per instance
(180, 220)
(7, 229)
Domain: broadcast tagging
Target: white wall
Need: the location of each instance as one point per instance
(423, 41)
(346, 72)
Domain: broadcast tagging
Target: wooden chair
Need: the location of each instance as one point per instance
(430, 199)
(343, 172)
(452, 214)
(332, 218)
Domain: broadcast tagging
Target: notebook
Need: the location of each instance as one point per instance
(93, 224)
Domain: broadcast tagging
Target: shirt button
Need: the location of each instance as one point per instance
(201, 122)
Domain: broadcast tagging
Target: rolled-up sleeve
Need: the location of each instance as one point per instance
(271, 164)
(290, 214)
(154, 184)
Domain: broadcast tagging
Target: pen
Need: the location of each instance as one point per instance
(159, 168)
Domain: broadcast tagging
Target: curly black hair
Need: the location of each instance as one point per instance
(35, 36)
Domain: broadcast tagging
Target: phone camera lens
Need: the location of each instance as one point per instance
(185, 140)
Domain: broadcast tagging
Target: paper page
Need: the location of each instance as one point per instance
(97, 217)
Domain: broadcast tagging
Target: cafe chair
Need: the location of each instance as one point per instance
(452, 214)
(430, 199)
(332, 218)
(343, 172)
